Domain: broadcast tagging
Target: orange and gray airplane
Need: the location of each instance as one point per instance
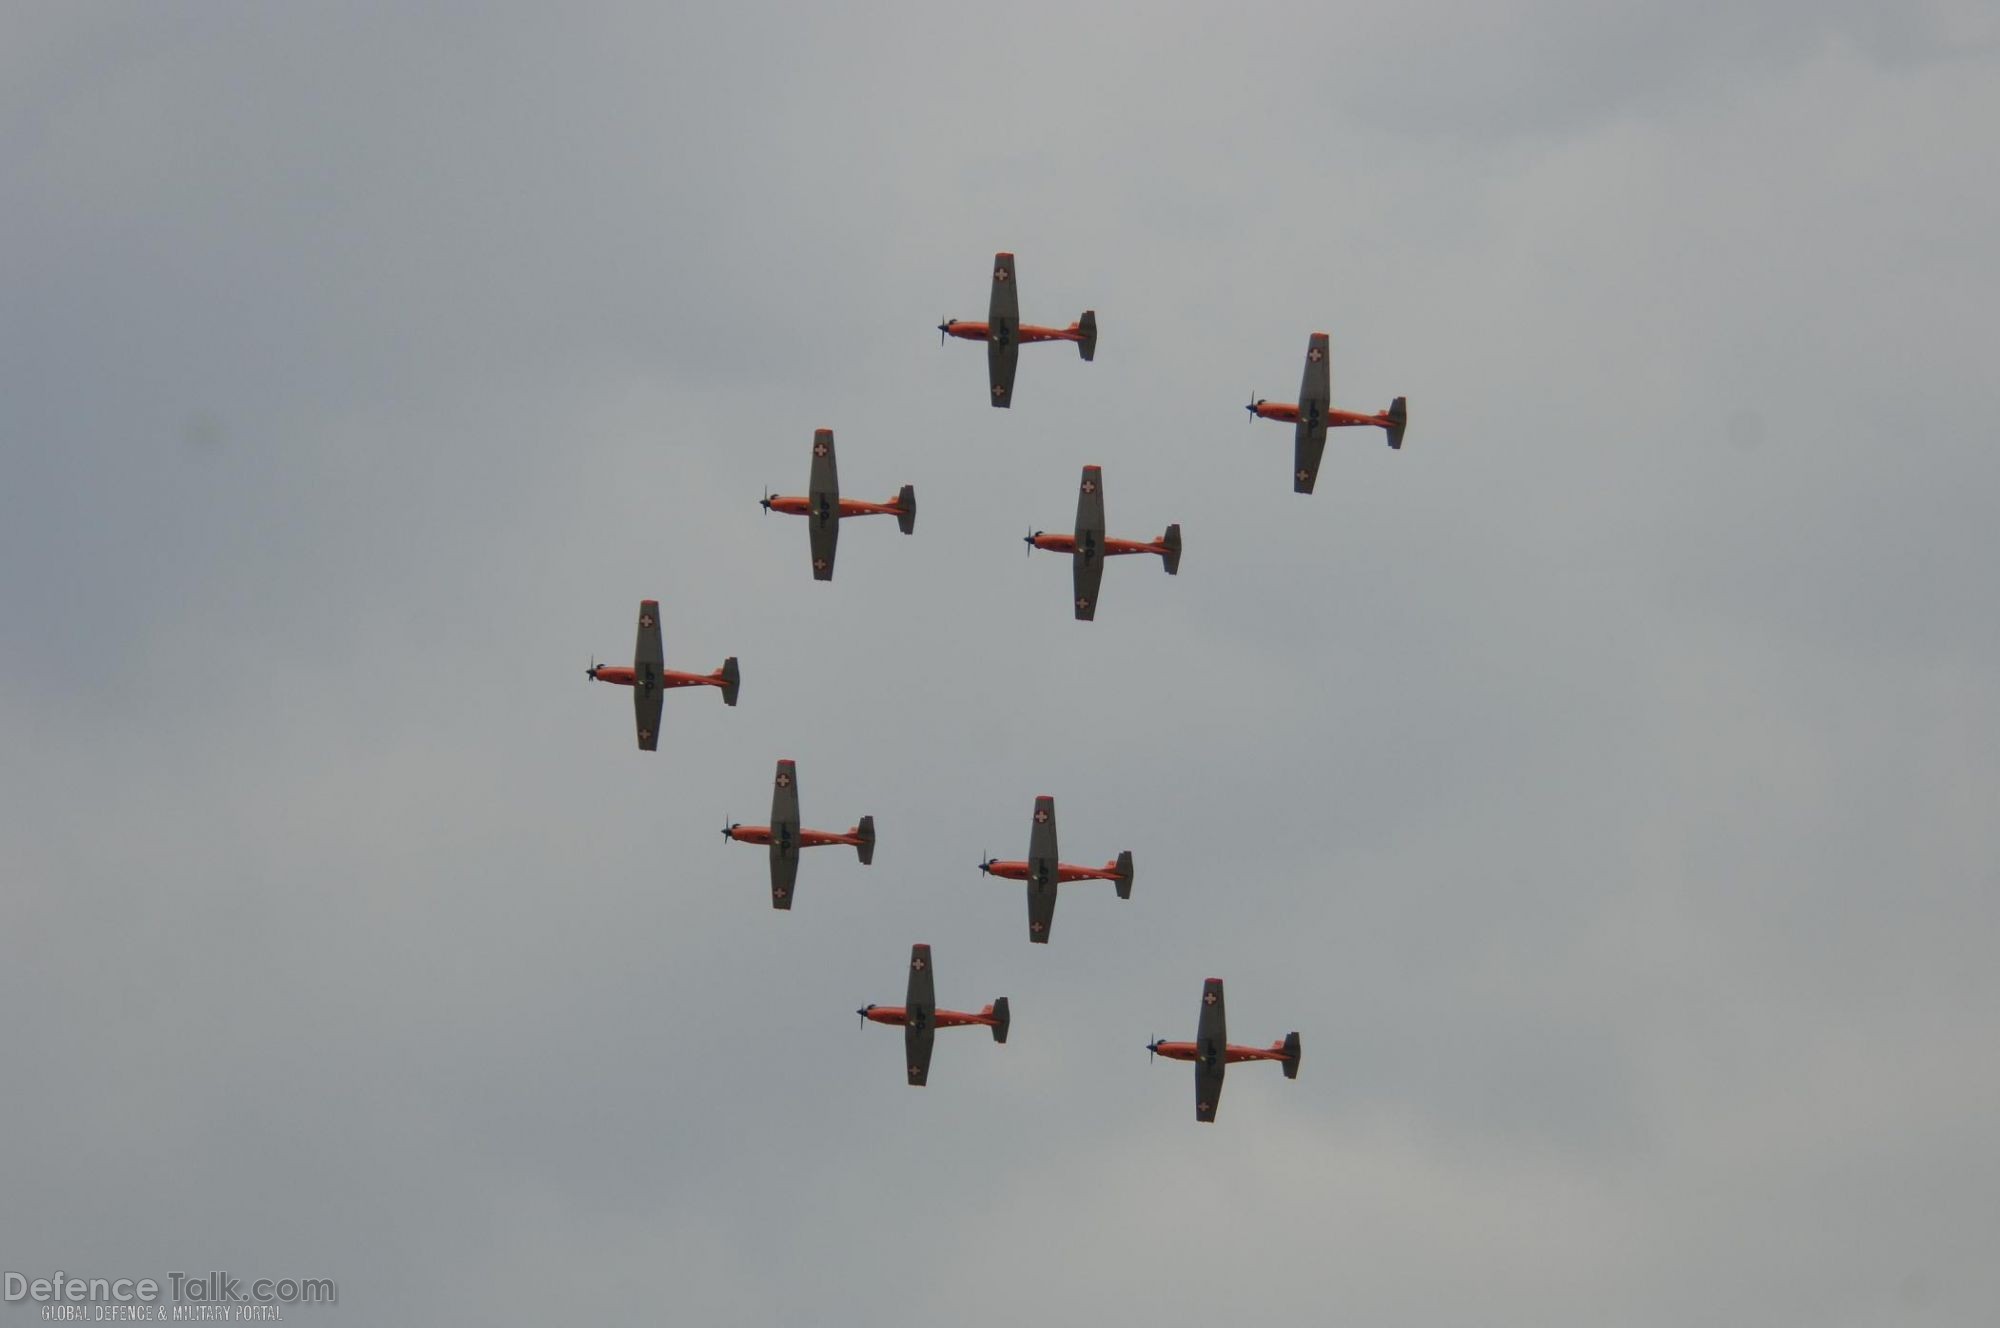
(1314, 414)
(1004, 333)
(1044, 872)
(1212, 1052)
(921, 1018)
(786, 837)
(824, 508)
(1088, 547)
(649, 677)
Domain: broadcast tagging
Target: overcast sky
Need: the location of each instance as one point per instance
(1604, 785)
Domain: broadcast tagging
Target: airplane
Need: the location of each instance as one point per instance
(1212, 1052)
(921, 1018)
(825, 508)
(1314, 414)
(1089, 548)
(649, 677)
(786, 838)
(1044, 873)
(1004, 333)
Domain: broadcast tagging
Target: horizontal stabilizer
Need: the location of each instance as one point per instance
(1291, 1055)
(1001, 1018)
(1399, 420)
(1125, 874)
(731, 680)
(1172, 557)
(865, 832)
(1088, 326)
(906, 509)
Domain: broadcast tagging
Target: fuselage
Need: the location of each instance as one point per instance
(1019, 871)
(791, 506)
(896, 1014)
(761, 834)
(626, 677)
(1110, 548)
(1335, 419)
(1189, 1051)
(1026, 332)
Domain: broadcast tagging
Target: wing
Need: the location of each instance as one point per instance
(784, 834)
(647, 700)
(1211, 1044)
(923, 990)
(649, 661)
(920, 1010)
(1041, 911)
(649, 651)
(1087, 563)
(1207, 1090)
(824, 491)
(1003, 331)
(1315, 400)
(1042, 864)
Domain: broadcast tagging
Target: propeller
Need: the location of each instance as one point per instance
(944, 328)
(1255, 401)
(1152, 1050)
(727, 827)
(863, 1012)
(591, 673)
(767, 500)
(985, 864)
(1029, 540)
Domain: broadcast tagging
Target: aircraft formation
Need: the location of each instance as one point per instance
(1089, 544)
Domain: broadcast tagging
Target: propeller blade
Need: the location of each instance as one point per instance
(863, 1014)
(943, 328)
(1152, 1050)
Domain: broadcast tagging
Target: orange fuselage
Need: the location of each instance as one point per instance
(1111, 548)
(761, 834)
(848, 507)
(1186, 1051)
(1335, 419)
(625, 677)
(1023, 334)
(1018, 871)
(896, 1014)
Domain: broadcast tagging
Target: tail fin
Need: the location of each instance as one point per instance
(1399, 420)
(1291, 1055)
(865, 832)
(731, 680)
(1172, 557)
(1088, 326)
(906, 509)
(1001, 1018)
(1125, 874)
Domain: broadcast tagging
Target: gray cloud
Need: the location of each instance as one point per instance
(1601, 785)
